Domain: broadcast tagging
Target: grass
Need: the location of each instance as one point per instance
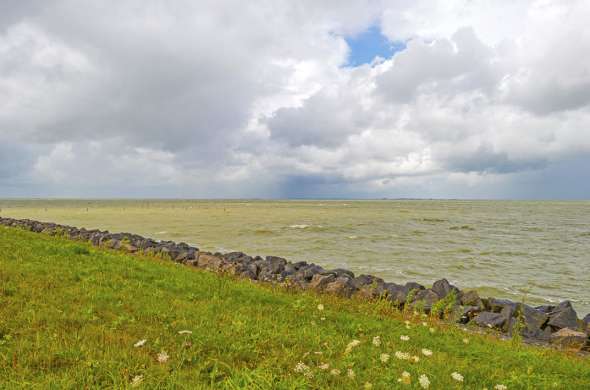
(70, 315)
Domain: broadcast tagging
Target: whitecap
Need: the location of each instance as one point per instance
(299, 226)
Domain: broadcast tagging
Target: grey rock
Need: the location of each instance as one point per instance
(563, 316)
(339, 272)
(364, 280)
(320, 281)
(342, 286)
(471, 298)
(534, 321)
(490, 320)
(443, 288)
(428, 297)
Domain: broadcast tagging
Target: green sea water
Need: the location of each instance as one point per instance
(537, 251)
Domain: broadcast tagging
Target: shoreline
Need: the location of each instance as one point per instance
(555, 324)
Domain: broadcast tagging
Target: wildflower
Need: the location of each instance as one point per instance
(404, 338)
(301, 367)
(432, 330)
(402, 355)
(384, 357)
(456, 376)
(324, 366)
(308, 374)
(424, 323)
(500, 387)
(323, 319)
(426, 352)
(351, 345)
(424, 381)
(335, 371)
(415, 359)
(407, 322)
(350, 373)
(185, 332)
(163, 357)
(465, 341)
(406, 378)
(136, 381)
(321, 307)
(140, 343)
(318, 353)
(377, 341)
(368, 386)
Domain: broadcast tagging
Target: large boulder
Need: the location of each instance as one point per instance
(342, 286)
(319, 281)
(443, 288)
(491, 320)
(363, 280)
(563, 316)
(534, 322)
(427, 297)
(396, 293)
(372, 291)
(471, 298)
(569, 339)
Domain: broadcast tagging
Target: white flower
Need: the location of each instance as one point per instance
(384, 357)
(335, 372)
(377, 341)
(402, 355)
(136, 381)
(415, 359)
(301, 367)
(320, 307)
(323, 319)
(406, 378)
(350, 373)
(163, 357)
(456, 376)
(407, 322)
(465, 341)
(500, 387)
(432, 330)
(351, 345)
(424, 381)
(140, 343)
(426, 352)
(324, 366)
(404, 338)
(424, 323)
(185, 332)
(368, 386)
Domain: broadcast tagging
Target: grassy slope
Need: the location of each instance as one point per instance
(70, 314)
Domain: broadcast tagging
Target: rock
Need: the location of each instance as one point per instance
(471, 298)
(340, 272)
(428, 297)
(413, 286)
(497, 305)
(468, 313)
(563, 316)
(586, 321)
(443, 288)
(364, 280)
(545, 308)
(209, 261)
(308, 272)
(569, 339)
(320, 281)
(342, 286)
(491, 320)
(534, 321)
(396, 293)
(372, 291)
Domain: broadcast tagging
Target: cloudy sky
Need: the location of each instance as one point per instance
(307, 98)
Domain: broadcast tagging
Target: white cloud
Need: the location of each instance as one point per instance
(226, 98)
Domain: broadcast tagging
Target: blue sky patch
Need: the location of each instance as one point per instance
(369, 44)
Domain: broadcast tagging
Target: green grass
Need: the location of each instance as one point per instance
(70, 315)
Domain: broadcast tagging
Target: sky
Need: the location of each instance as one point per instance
(295, 99)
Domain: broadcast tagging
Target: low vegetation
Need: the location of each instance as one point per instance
(73, 316)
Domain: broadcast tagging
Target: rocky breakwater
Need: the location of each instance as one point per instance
(558, 325)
